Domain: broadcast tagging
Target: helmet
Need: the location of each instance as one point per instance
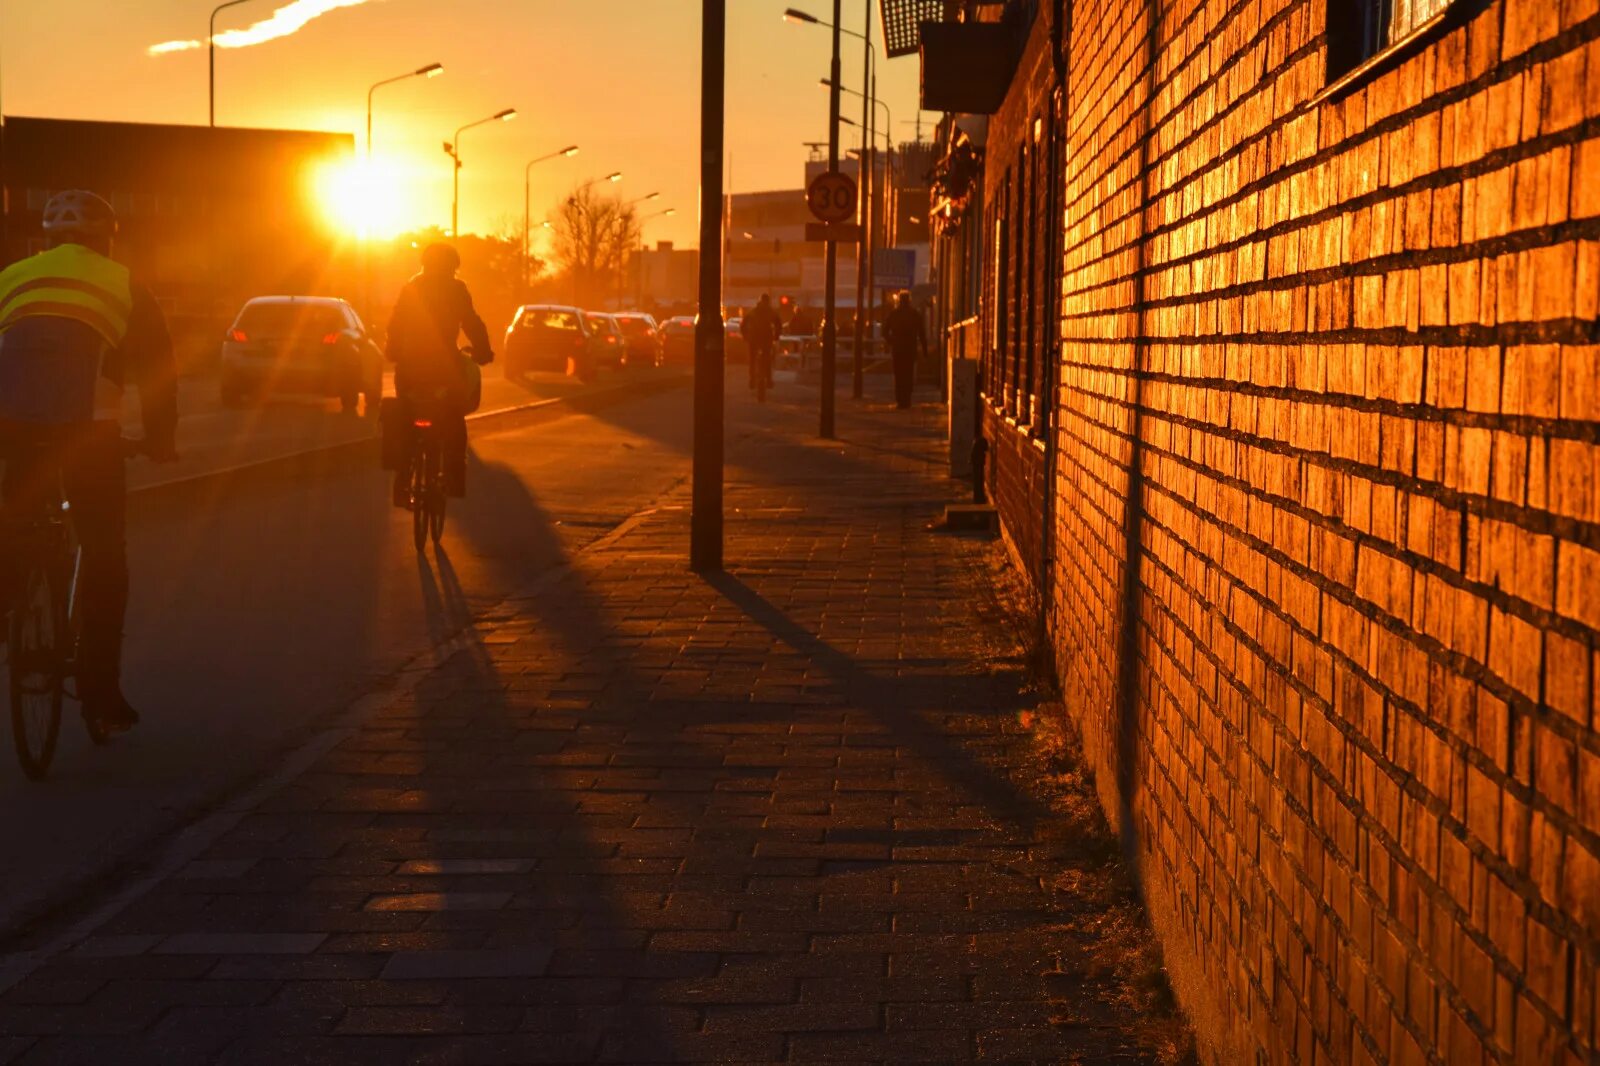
(79, 213)
(440, 258)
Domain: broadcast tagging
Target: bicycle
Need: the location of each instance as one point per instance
(427, 498)
(44, 627)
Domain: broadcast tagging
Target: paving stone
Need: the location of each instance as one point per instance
(466, 965)
(241, 944)
(783, 813)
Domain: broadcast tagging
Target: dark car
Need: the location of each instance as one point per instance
(677, 340)
(311, 345)
(639, 333)
(550, 338)
(610, 350)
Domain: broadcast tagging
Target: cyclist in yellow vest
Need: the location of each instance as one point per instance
(74, 329)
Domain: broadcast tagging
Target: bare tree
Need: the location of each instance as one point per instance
(593, 236)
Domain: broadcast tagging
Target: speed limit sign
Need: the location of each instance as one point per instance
(832, 197)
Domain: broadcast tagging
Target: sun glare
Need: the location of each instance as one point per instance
(362, 199)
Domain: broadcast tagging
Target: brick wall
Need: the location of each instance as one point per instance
(1327, 578)
(1016, 320)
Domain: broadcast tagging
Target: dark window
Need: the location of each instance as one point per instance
(1358, 30)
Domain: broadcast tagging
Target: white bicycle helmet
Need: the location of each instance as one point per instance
(79, 212)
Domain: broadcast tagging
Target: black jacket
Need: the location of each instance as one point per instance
(430, 314)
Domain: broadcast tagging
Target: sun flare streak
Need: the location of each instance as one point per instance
(288, 19)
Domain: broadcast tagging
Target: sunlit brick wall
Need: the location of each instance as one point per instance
(1331, 365)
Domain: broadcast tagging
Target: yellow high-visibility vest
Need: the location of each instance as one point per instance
(69, 281)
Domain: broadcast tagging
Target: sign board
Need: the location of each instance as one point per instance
(894, 268)
(844, 232)
(832, 197)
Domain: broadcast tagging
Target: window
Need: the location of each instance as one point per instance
(1359, 30)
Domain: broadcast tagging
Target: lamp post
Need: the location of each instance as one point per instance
(830, 326)
(453, 150)
(705, 513)
(432, 70)
(565, 153)
(866, 246)
(210, 42)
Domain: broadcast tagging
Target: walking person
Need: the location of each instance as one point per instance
(760, 329)
(908, 341)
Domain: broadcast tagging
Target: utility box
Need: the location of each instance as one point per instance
(963, 414)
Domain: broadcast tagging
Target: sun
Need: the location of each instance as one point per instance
(366, 200)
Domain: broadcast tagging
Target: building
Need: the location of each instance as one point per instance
(1285, 316)
(209, 217)
(668, 278)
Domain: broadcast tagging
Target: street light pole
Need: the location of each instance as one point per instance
(830, 326)
(705, 516)
(432, 70)
(211, 47)
(869, 175)
(567, 152)
(453, 150)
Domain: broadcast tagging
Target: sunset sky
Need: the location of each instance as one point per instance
(618, 77)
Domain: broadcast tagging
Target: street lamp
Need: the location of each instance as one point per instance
(211, 46)
(566, 153)
(643, 199)
(888, 116)
(452, 149)
(865, 248)
(432, 70)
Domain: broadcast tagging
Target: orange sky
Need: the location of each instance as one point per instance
(618, 77)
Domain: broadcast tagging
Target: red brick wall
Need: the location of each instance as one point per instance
(1017, 199)
(1015, 478)
(1330, 367)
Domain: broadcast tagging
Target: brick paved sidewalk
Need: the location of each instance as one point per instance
(796, 812)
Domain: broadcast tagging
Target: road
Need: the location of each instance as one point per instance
(266, 600)
(211, 437)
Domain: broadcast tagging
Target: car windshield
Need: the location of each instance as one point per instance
(290, 319)
(601, 325)
(546, 318)
(634, 327)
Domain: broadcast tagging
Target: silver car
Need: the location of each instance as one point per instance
(309, 345)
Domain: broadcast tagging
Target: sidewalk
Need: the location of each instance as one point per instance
(796, 812)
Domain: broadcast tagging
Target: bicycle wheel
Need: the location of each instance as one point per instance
(34, 670)
(436, 496)
(419, 497)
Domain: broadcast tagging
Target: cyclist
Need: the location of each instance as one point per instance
(433, 310)
(760, 329)
(74, 329)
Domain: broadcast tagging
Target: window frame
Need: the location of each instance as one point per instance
(1355, 54)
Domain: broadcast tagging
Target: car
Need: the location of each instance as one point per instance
(551, 338)
(610, 349)
(314, 345)
(677, 340)
(734, 349)
(640, 334)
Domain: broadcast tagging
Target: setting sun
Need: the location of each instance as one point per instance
(365, 199)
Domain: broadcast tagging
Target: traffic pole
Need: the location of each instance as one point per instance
(705, 516)
(867, 173)
(830, 326)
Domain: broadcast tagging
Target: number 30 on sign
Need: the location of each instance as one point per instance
(832, 197)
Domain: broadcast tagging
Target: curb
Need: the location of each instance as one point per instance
(592, 400)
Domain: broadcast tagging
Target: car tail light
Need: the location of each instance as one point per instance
(238, 335)
(422, 423)
(331, 338)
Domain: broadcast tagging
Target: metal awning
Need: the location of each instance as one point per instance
(903, 19)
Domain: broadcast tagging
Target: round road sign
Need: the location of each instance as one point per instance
(832, 197)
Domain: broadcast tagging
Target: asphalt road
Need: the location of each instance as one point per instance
(265, 601)
(212, 437)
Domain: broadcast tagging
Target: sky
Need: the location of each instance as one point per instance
(620, 78)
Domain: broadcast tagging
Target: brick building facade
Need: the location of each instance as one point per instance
(1319, 515)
